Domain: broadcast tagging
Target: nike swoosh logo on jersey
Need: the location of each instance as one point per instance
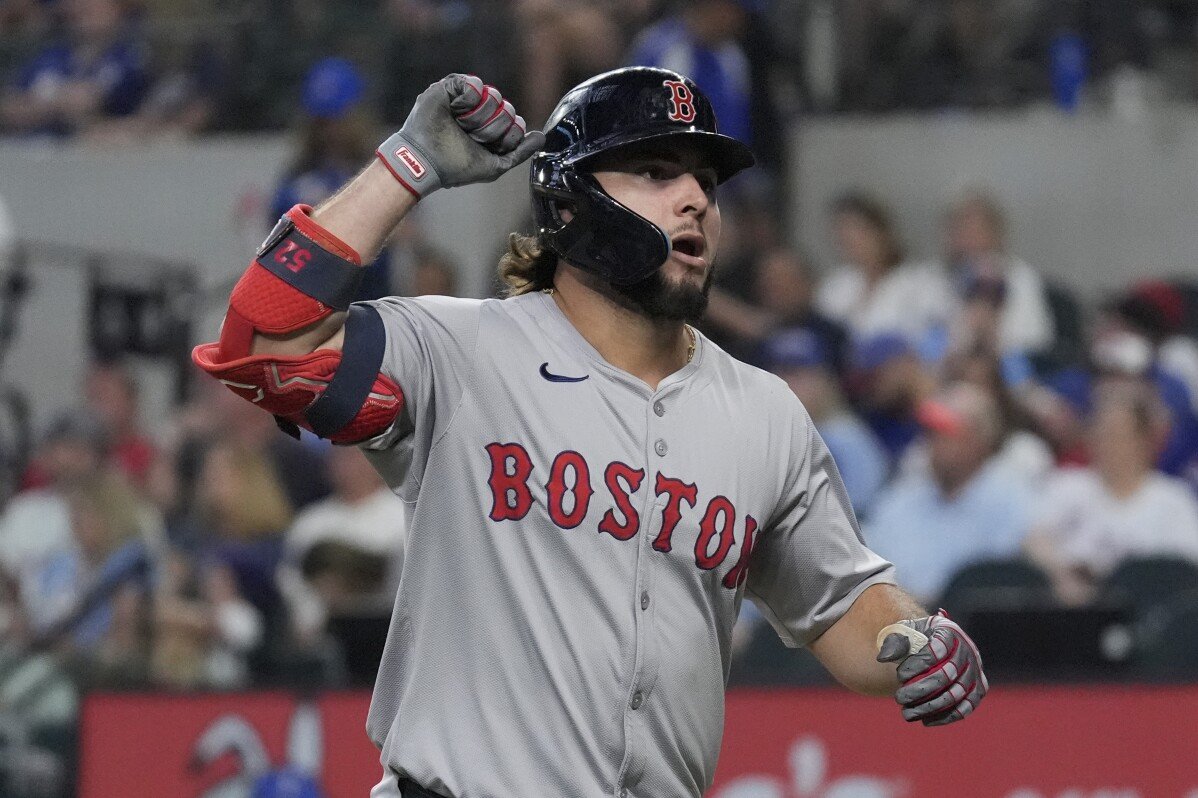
(547, 374)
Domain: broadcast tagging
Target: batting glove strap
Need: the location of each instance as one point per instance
(943, 681)
(409, 165)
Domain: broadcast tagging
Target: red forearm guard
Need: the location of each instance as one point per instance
(302, 275)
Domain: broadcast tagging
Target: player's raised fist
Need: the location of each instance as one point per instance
(942, 678)
(460, 131)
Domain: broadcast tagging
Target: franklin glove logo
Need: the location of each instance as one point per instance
(408, 159)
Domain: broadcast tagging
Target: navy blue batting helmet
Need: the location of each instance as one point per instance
(615, 109)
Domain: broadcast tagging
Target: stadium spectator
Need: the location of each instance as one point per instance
(111, 392)
(36, 525)
(337, 136)
(298, 464)
(804, 360)
(1023, 452)
(702, 40)
(875, 290)
(886, 382)
(783, 293)
(344, 553)
(423, 40)
(963, 53)
(110, 539)
(1118, 354)
(967, 507)
(1089, 519)
(1156, 310)
(1003, 297)
(566, 42)
(188, 95)
(99, 73)
(218, 607)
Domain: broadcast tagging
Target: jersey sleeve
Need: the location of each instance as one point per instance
(810, 563)
(430, 353)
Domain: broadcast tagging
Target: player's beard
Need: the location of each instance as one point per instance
(661, 299)
(655, 297)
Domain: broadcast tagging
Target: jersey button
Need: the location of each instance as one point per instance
(661, 448)
(645, 600)
(623, 792)
(638, 698)
(659, 408)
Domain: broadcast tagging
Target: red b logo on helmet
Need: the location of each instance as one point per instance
(682, 102)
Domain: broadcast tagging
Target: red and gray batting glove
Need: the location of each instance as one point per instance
(460, 131)
(942, 678)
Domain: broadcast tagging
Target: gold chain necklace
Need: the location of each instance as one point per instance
(690, 350)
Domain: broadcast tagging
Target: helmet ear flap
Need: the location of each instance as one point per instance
(602, 236)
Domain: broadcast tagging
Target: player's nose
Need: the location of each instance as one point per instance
(690, 198)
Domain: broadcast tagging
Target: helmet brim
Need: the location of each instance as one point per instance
(728, 155)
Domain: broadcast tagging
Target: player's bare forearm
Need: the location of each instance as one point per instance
(848, 650)
(365, 212)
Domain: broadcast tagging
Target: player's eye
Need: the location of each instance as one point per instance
(653, 171)
(706, 182)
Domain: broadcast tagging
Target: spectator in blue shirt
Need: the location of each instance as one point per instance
(802, 358)
(702, 42)
(887, 380)
(966, 507)
(336, 139)
(99, 73)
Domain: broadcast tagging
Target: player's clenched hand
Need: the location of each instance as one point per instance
(460, 131)
(942, 680)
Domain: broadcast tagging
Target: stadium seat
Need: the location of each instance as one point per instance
(1068, 344)
(1168, 640)
(995, 584)
(1144, 583)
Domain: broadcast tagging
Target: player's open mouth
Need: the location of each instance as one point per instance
(689, 248)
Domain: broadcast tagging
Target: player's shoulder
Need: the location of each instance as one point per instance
(768, 391)
(447, 308)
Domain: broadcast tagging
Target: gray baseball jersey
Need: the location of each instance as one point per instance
(578, 549)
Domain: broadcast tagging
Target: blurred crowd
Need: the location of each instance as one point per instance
(977, 412)
(1004, 444)
(999, 441)
(128, 69)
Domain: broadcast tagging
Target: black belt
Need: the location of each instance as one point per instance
(410, 789)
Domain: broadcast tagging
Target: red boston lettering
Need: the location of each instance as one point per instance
(632, 477)
(671, 514)
(719, 506)
(511, 498)
(557, 489)
(735, 577)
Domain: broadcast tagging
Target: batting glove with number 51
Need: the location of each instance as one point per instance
(460, 131)
(939, 667)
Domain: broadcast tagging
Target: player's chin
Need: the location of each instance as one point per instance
(678, 297)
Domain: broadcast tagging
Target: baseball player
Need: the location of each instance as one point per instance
(595, 486)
